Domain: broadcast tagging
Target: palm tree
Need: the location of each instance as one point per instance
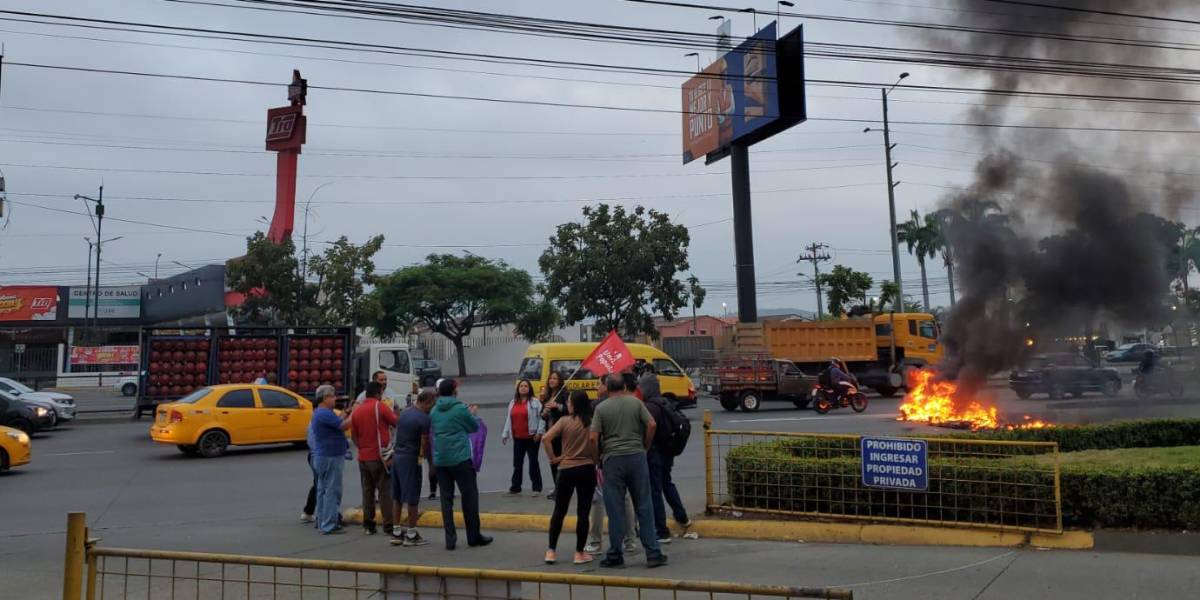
(922, 236)
(944, 217)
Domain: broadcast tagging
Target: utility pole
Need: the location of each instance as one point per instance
(887, 155)
(99, 225)
(816, 257)
(87, 297)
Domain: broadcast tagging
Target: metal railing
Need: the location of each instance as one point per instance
(117, 573)
(971, 483)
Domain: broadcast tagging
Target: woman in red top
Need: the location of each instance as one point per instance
(524, 426)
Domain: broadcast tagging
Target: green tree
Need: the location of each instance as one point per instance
(268, 276)
(844, 285)
(617, 267)
(944, 217)
(452, 295)
(1189, 255)
(343, 272)
(540, 322)
(923, 236)
(697, 294)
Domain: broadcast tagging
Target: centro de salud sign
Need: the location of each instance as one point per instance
(895, 463)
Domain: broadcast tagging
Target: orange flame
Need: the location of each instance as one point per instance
(932, 402)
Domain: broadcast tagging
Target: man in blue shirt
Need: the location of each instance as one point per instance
(329, 456)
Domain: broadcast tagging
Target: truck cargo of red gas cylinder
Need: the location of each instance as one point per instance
(176, 362)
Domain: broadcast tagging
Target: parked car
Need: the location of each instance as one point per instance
(128, 386)
(1059, 374)
(21, 415)
(61, 406)
(14, 448)
(1130, 352)
(207, 421)
(428, 371)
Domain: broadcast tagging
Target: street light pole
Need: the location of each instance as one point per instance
(304, 235)
(156, 264)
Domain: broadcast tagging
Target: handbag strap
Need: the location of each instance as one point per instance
(378, 438)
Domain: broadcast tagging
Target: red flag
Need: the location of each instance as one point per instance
(610, 356)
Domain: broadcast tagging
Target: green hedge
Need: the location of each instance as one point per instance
(1145, 498)
(787, 475)
(1155, 433)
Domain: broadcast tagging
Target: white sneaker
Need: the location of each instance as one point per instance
(306, 518)
(631, 547)
(666, 540)
(592, 548)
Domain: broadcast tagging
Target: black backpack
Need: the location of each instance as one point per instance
(674, 431)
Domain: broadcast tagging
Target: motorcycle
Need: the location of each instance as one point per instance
(1162, 380)
(824, 399)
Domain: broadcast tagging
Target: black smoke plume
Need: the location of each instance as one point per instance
(1059, 228)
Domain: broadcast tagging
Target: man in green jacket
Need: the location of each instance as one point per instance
(453, 423)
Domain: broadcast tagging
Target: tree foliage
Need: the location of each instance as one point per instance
(343, 272)
(696, 293)
(618, 268)
(452, 295)
(268, 277)
(844, 285)
(275, 294)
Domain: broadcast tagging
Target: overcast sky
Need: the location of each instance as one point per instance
(494, 204)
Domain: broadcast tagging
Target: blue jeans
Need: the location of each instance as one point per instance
(661, 486)
(621, 473)
(329, 490)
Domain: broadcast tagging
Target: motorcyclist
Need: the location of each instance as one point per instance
(840, 378)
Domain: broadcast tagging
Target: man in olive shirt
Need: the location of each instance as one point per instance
(623, 429)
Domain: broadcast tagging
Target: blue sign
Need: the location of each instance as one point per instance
(895, 463)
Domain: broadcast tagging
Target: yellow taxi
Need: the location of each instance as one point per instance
(565, 358)
(209, 420)
(14, 448)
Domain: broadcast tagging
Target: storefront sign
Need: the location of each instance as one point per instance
(28, 303)
(104, 355)
(114, 303)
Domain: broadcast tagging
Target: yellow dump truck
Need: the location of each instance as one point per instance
(864, 343)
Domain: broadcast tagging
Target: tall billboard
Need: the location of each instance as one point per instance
(28, 303)
(749, 94)
(114, 303)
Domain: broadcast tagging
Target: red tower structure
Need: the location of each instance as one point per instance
(286, 128)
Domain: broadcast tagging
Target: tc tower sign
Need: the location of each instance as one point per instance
(747, 95)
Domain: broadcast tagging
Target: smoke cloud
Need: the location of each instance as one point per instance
(1058, 229)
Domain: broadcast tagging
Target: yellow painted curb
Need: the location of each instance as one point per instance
(793, 531)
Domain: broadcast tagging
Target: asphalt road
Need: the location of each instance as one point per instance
(140, 494)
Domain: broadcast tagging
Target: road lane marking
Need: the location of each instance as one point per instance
(777, 419)
(82, 453)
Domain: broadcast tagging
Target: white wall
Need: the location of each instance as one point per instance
(496, 359)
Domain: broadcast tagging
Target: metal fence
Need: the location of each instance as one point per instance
(971, 483)
(119, 573)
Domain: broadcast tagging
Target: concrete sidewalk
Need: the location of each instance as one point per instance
(885, 572)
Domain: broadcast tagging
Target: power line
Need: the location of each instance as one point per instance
(571, 105)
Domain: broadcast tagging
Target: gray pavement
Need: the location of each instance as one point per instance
(140, 494)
